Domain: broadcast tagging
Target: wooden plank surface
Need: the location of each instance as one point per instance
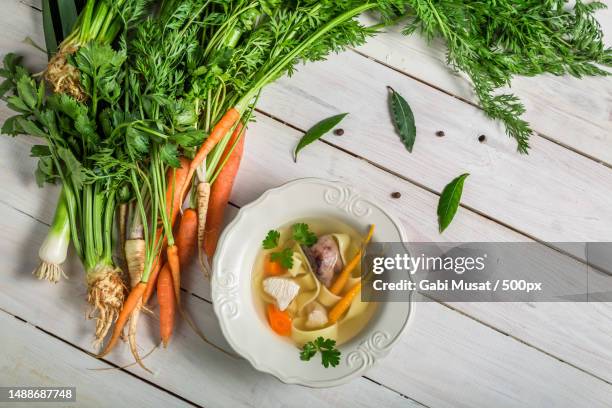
(547, 194)
(479, 364)
(32, 358)
(522, 354)
(573, 112)
(190, 368)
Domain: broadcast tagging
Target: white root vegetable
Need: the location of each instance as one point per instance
(202, 197)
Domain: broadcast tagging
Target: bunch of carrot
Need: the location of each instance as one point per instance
(152, 102)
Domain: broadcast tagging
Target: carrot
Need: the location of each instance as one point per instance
(126, 311)
(220, 192)
(173, 262)
(272, 268)
(152, 282)
(185, 236)
(167, 305)
(342, 278)
(344, 303)
(218, 132)
(280, 321)
(176, 178)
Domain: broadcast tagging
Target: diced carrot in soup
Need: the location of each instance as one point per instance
(280, 321)
(273, 268)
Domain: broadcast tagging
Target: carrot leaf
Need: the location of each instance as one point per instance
(318, 130)
(449, 201)
(403, 118)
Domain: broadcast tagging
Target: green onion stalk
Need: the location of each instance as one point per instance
(99, 21)
(54, 249)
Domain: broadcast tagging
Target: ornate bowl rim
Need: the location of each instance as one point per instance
(229, 287)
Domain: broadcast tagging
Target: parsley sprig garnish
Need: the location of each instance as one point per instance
(303, 235)
(330, 355)
(284, 257)
(271, 240)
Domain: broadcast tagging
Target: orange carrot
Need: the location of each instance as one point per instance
(173, 262)
(185, 237)
(344, 303)
(126, 311)
(280, 321)
(175, 179)
(218, 132)
(152, 282)
(272, 268)
(167, 305)
(342, 278)
(220, 193)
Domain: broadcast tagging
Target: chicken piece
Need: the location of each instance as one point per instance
(324, 257)
(283, 290)
(317, 316)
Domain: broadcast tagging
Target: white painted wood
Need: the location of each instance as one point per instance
(188, 367)
(268, 145)
(571, 111)
(547, 194)
(547, 327)
(486, 365)
(445, 358)
(32, 358)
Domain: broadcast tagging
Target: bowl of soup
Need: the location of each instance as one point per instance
(287, 280)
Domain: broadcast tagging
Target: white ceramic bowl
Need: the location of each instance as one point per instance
(244, 324)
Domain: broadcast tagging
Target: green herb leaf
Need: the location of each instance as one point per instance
(45, 171)
(169, 155)
(40, 151)
(26, 89)
(137, 142)
(271, 240)
(449, 201)
(330, 355)
(303, 235)
(16, 104)
(318, 130)
(403, 118)
(30, 127)
(74, 169)
(11, 126)
(6, 86)
(189, 139)
(284, 258)
(308, 351)
(11, 61)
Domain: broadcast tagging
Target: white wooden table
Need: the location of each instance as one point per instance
(453, 355)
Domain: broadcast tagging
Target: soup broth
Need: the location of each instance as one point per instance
(293, 281)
